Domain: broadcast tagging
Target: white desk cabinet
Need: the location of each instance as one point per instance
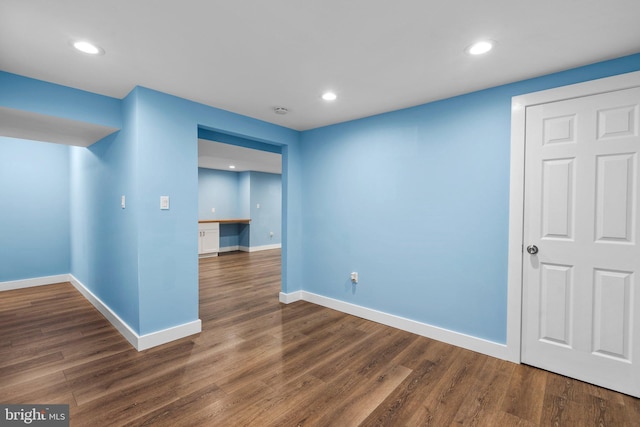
(208, 239)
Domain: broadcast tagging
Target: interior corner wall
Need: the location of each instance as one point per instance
(266, 209)
(104, 249)
(244, 195)
(417, 202)
(142, 261)
(244, 207)
(218, 190)
(236, 195)
(35, 218)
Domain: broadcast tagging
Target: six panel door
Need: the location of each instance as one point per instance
(581, 302)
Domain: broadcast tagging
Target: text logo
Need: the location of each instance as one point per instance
(34, 415)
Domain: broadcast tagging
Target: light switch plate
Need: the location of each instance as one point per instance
(164, 202)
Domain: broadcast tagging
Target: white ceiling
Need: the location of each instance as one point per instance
(250, 56)
(217, 155)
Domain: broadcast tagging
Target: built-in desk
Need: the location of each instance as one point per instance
(225, 221)
(209, 234)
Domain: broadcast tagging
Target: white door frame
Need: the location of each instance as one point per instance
(519, 105)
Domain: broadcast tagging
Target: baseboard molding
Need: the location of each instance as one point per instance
(260, 248)
(36, 281)
(209, 255)
(125, 330)
(458, 339)
(167, 335)
(250, 248)
(290, 297)
(143, 342)
(140, 342)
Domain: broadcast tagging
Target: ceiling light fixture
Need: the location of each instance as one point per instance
(480, 47)
(232, 166)
(280, 110)
(329, 96)
(88, 48)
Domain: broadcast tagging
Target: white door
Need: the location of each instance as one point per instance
(581, 290)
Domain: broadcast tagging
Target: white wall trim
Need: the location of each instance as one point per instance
(122, 326)
(519, 105)
(450, 337)
(229, 248)
(164, 336)
(36, 281)
(290, 297)
(140, 342)
(260, 248)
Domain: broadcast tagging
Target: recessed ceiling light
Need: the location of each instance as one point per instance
(480, 47)
(329, 96)
(89, 48)
(232, 166)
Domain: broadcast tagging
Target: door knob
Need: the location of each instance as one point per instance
(532, 249)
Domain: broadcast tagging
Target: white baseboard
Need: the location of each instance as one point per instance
(230, 248)
(167, 335)
(458, 339)
(122, 326)
(260, 248)
(290, 297)
(36, 281)
(140, 342)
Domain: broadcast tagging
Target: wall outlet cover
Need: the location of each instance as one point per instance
(164, 202)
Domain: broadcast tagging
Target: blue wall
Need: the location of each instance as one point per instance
(45, 98)
(244, 197)
(266, 191)
(236, 195)
(244, 203)
(141, 261)
(220, 190)
(34, 218)
(417, 201)
(104, 237)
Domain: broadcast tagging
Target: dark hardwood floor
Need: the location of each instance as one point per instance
(261, 363)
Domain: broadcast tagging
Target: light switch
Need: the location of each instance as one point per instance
(122, 201)
(258, 205)
(213, 210)
(164, 202)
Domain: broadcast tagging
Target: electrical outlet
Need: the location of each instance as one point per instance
(164, 202)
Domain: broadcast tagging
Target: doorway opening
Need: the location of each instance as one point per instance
(240, 195)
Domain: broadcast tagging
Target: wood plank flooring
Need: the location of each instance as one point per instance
(261, 363)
